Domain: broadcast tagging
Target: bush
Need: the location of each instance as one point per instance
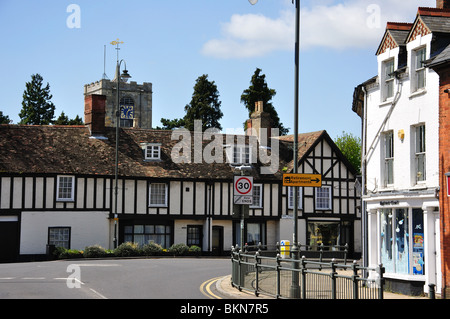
(95, 251)
(63, 253)
(195, 250)
(179, 249)
(152, 249)
(127, 250)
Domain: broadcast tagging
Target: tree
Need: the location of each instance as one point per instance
(259, 91)
(37, 109)
(171, 124)
(4, 119)
(350, 146)
(204, 106)
(63, 119)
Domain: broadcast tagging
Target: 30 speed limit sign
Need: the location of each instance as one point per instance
(243, 190)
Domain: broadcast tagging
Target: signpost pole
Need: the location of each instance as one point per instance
(295, 287)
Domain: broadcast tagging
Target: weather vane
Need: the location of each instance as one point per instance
(116, 43)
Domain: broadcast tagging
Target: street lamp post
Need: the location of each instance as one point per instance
(295, 288)
(119, 77)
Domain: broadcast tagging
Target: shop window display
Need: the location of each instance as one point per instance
(402, 253)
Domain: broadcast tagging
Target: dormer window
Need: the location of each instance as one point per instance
(241, 154)
(152, 151)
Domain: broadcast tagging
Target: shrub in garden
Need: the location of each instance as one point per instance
(195, 250)
(63, 253)
(127, 250)
(95, 251)
(152, 249)
(179, 249)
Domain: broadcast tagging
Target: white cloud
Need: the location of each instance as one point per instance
(252, 35)
(332, 24)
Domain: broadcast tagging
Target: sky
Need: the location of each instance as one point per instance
(172, 43)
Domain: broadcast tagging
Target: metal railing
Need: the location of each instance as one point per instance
(265, 271)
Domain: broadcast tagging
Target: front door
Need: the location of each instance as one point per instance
(217, 240)
(9, 240)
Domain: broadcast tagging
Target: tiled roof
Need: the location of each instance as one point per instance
(32, 149)
(305, 142)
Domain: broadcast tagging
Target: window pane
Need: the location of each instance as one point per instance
(65, 187)
(418, 242)
(59, 236)
(326, 233)
(323, 198)
(401, 242)
(158, 194)
(149, 229)
(138, 229)
(386, 240)
(291, 197)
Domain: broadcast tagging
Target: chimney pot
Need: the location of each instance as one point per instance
(443, 4)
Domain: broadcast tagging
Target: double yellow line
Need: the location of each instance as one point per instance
(205, 288)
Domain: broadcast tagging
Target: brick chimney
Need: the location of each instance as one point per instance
(259, 120)
(443, 4)
(94, 113)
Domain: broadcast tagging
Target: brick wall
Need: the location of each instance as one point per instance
(94, 113)
(444, 167)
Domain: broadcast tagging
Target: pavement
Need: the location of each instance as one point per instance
(224, 286)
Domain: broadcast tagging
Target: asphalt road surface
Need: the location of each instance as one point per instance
(153, 278)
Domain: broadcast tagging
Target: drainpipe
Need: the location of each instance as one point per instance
(363, 182)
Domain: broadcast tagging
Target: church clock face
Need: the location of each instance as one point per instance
(126, 112)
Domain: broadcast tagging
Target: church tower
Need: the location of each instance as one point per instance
(135, 102)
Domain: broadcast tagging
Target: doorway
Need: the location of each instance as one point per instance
(9, 241)
(217, 240)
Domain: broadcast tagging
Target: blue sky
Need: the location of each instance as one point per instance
(172, 43)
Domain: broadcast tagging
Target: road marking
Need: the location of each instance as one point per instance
(205, 288)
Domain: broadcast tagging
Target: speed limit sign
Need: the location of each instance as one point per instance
(243, 190)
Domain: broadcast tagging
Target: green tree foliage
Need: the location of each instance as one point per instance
(259, 91)
(4, 119)
(350, 146)
(37, 109)
(63, 119)
(171, 124)
(204, 106)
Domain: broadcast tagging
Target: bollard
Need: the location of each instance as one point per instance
(431, 291)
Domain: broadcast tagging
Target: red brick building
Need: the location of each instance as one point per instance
(441, 64)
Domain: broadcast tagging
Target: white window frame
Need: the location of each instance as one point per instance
(420, 152)
(70, 187)
(290, 191)
(327, 199)
(388, 79)
(152, 151)
(388, 157)
(241, 157)
(165, 186)
(419, 55)
(59, 236)
(257, 199)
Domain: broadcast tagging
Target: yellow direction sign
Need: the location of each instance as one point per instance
(308, 180)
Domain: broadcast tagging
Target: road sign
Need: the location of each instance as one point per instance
(243, 190)
(308, 180)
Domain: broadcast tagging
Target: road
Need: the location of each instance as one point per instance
(154, 278)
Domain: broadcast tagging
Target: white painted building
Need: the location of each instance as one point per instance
(400, 127)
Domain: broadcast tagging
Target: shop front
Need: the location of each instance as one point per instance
(404, 237)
